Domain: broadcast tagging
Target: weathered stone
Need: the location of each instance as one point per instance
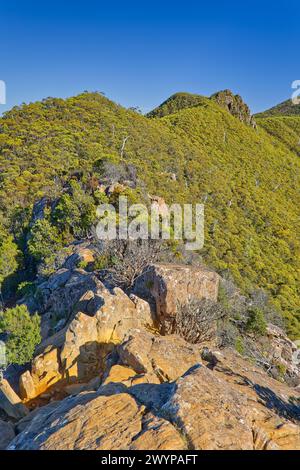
(128, 376)
(172, 285)
(61, 292)
(10, 402)
(79, 351)
(90, 337)
(235, 105)
(167, 357)
(7, 434)
(97, 422)
(45, 372)
(82, 256)
(283, 352)
(212, 416)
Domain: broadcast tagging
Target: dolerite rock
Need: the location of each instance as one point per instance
(7, 434)
(171, 285)
(283, 352)
(45, 372)
(10, 402)
(166, 357)
(93, 421)
(80, 351)
(92, 335)
(235, 105)
(63, 289)
(212, 415)
(233, 406)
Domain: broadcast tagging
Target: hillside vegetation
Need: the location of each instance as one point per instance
(286, 108)
(191, 150)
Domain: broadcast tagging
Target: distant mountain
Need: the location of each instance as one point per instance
(286, 108)
(175, 103)
(234, 104)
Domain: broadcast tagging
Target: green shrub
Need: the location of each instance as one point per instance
(239, 345)
(23, 333)
(44, 240)
(256, 322)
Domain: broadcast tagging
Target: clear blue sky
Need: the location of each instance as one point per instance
(139, 53)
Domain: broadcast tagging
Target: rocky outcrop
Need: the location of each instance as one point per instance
(172, 285)
(98, 421)
(111, 380)
(205, 408)
(79, 352)
(166, 357)
(284, 354)
(45, 372)
(235, 105)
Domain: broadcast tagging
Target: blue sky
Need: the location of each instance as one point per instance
(139, 53)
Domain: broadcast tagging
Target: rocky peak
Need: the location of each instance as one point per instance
(235, 105)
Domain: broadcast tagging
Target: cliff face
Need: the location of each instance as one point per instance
(116, 376)
(235, 105)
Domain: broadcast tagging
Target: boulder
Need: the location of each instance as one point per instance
(7, 434)
(127, 376)
(225, 404)
(91, 336)
(212, 415)
(172, 285)
(80, 350)
(45, 372)
(166, 357)
(10, 402)
(82, 255)
(61, 292)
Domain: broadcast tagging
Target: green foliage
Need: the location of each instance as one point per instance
(26, 288)
(286, 108)
(8, 256)
(75, 211)
(281, 369)
(256, 322)
(44, 240)
(239, 345)
(23, 331)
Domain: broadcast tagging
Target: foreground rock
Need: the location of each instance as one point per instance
(7, 434)
(172, 285)
(10, 402)
(109, 380)
(202, 409)
(98, 422)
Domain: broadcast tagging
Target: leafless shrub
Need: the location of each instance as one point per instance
(126, 260)
(197, 320)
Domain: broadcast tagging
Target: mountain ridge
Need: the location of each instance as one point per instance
(248, 178)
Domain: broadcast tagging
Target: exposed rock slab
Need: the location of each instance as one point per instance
(93, 422)
(10, 402)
